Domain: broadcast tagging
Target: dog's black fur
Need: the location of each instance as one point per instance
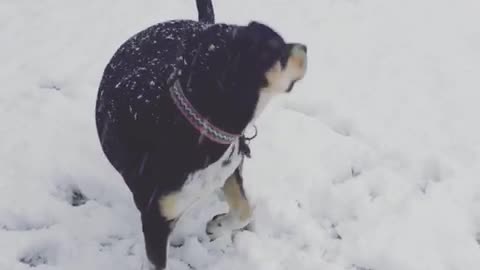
(144, 136)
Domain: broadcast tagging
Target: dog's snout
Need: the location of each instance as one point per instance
(298, 53)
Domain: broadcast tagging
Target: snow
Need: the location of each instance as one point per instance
(371, 163)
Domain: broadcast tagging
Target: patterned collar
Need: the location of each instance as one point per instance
(199, 122)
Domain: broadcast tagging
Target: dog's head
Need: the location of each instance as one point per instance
(279, 63)
(270, 62)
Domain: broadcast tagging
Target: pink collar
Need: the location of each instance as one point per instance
(199, 122)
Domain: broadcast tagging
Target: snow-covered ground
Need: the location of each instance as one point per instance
(373, 161)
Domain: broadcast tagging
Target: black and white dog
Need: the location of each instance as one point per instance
(172, 106)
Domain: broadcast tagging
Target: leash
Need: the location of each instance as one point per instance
(244, 141)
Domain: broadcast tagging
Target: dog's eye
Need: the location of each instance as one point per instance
(274, 44)
(264, 55)
(276, 67)
(284, 58)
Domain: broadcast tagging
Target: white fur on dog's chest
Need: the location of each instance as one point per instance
(201, 183)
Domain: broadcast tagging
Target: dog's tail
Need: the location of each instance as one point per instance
(205, 11)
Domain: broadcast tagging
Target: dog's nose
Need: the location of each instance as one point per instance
(302, 47)
(299, 47)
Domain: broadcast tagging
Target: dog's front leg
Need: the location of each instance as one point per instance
(240, 212)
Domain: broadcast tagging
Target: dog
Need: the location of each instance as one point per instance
(171, 110)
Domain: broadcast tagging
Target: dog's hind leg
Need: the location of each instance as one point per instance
(143, 180)
(156, 231)
(240, 212)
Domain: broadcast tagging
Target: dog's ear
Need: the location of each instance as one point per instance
(255, 29)
(246, 37)
(253, 35)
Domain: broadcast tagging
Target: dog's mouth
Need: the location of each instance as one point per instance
(290, 87)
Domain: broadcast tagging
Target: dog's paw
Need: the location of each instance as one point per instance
(177, 242)
(218, 226)
(225, 224)
(249, 227)
(146, 264)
